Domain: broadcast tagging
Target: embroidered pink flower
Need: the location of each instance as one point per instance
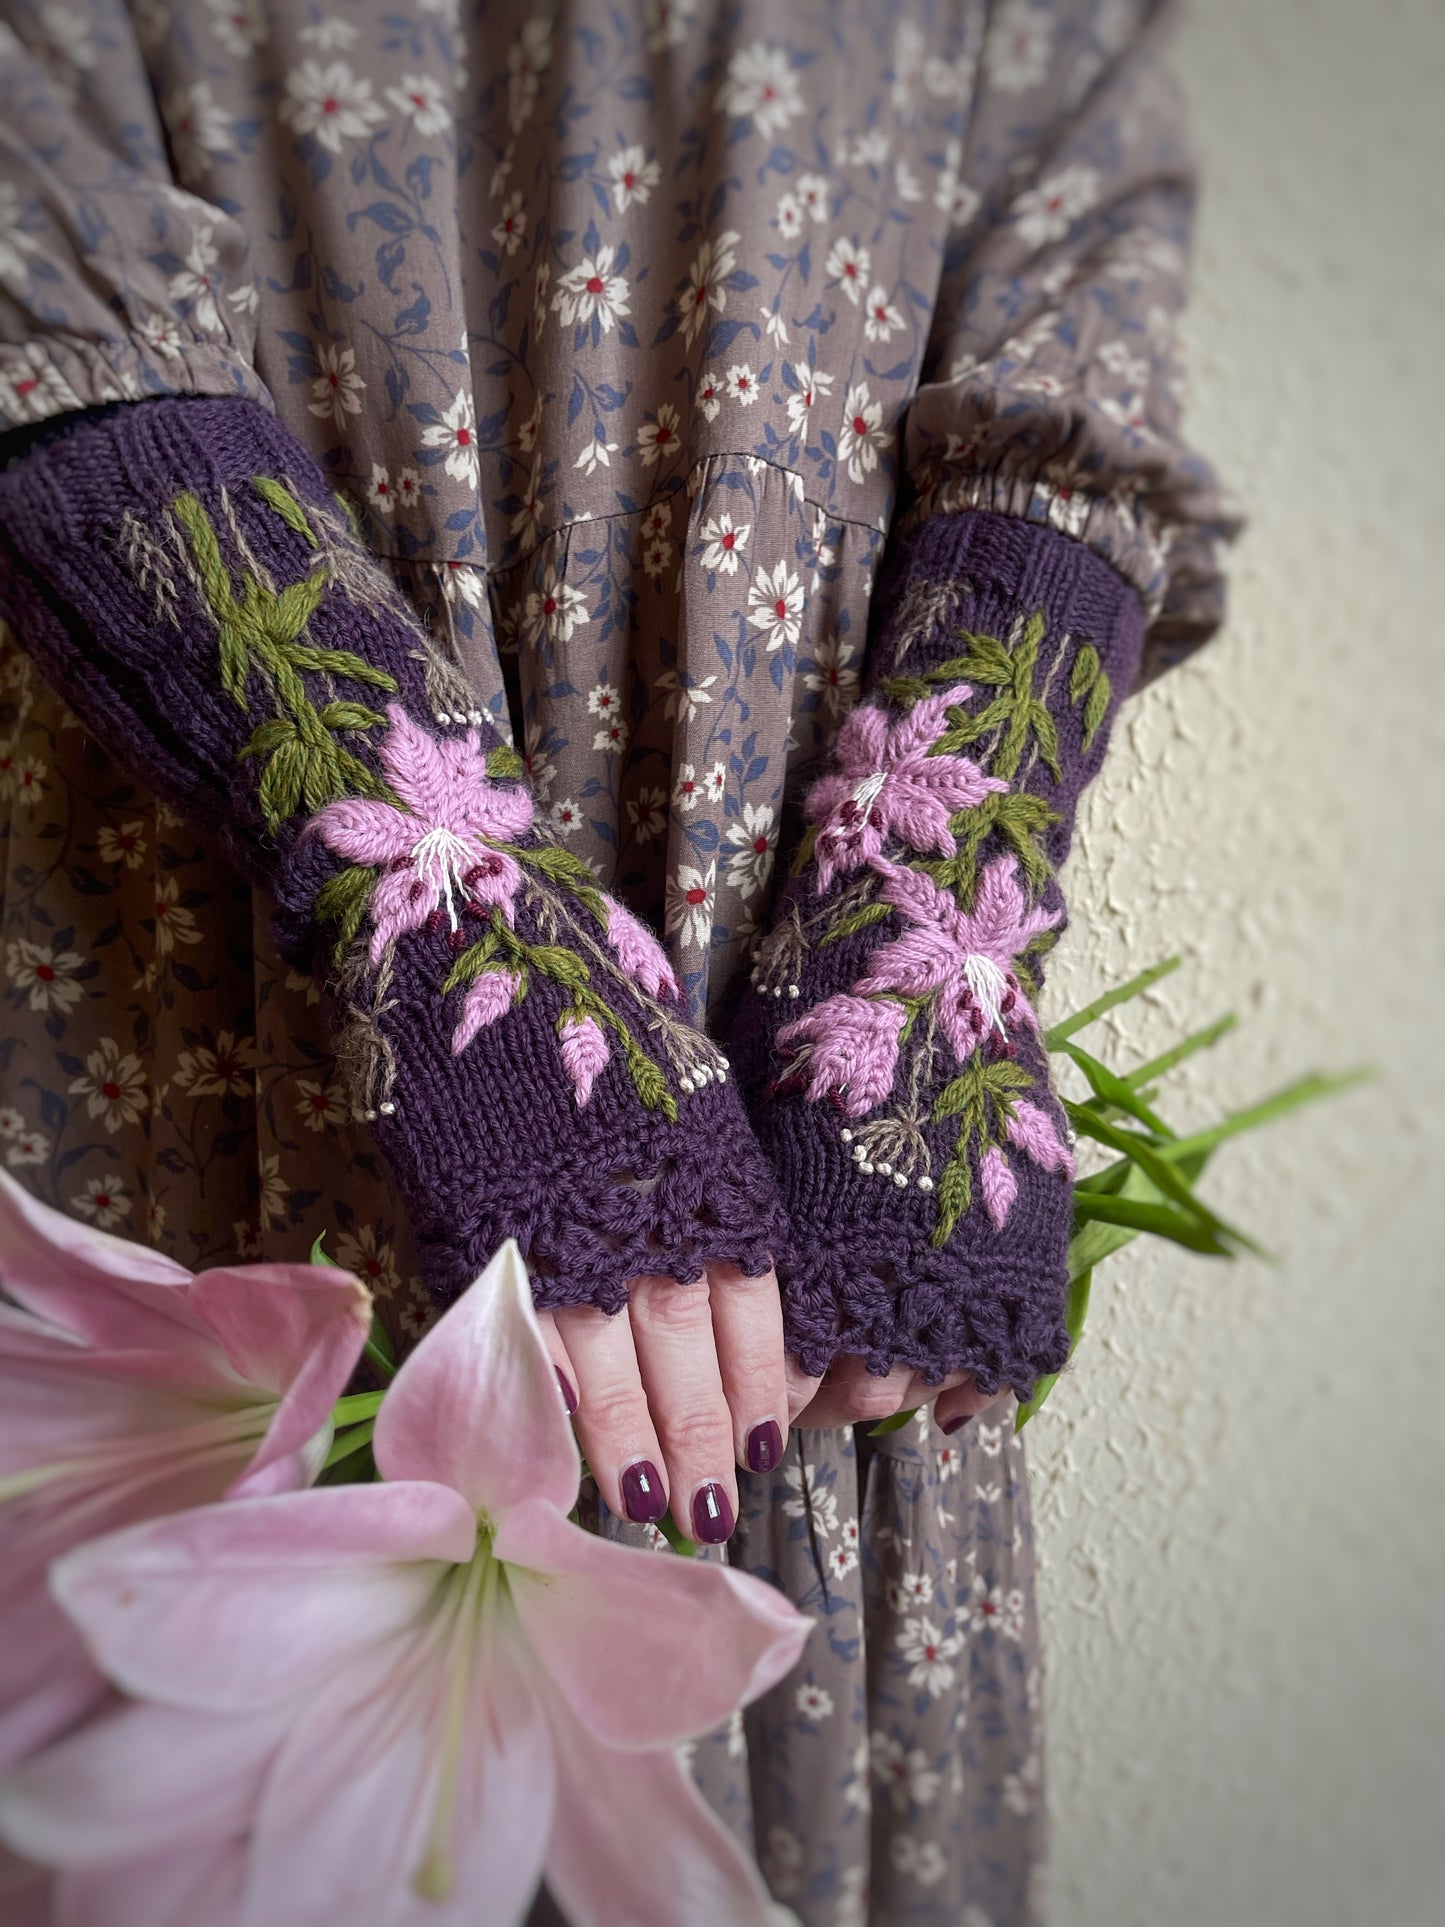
(640, 954)
(584, 1052)
(966, 958)
(848, 1050)
(130, 1388)
(1032, 1130)
(489, 998)
(998, 1184)
(889, 785)
(432, 851)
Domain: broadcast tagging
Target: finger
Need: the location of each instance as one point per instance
(613, 1422)
(672, 1331)
(956, 1407)
(561, 1363)
(801, 1388)
(747, 1329)
(852, 1395)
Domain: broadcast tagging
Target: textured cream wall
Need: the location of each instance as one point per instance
(1241, 1511)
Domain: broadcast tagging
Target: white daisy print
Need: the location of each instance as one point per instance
(723, 542)
(689, 905)
(905, 1772)
(160, 334)
(422, 99)
(1047, 212)
(658, 436)
(456, 432)
(198, 126)
(633, 177)
(195, 284)
(687, 790)
(754, 844)
(685, 695)
(708, 399)
(380, 494)
(761, 83)
(44, 974)
(239, 25)
(1016, 52)
(321, 1107)
(813, 383)
(511, 225)
(848, 263)
(647, 813)
(29, 1147)
(337, 388)
(715, 782)
(603, 700)
(555, 609)
(929, 1654)
(113, 1085)
(706, 293)
(814, 1702)
(656, 554)
(331, 102)
(370, 1257)
(593, 289)
(881, 319)
(741, 384)
(408, 487)
(775, 605)
(812, 194)
(789, 218)
(104, 1201)
(833, 675)
(565, 817)
(862, 434)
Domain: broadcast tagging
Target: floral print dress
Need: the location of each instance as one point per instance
(631, 334)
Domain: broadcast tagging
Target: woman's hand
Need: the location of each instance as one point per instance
(848, 1394)
(670, 1396)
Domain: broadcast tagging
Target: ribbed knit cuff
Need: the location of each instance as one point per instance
(182, 573)
(888, 1043)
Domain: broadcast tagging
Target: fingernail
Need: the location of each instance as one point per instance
(712, 1515)
(643, 1499)
(765, 1446)
(955, 1424)
(569, 1395)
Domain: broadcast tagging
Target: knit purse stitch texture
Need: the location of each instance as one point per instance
(888, 1041)
(181, 572)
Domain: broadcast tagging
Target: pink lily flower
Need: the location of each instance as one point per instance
(847, 1050)
(584, 1053)
(639, 953)
(405, 1702)
(966, 957)
(889, 785)
(130, 1388)
(432, 851)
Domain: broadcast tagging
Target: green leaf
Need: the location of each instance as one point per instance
(1305, 1090)
(267, 737)
(339, 662)
(1076, 1309)
(282, 784)
(341, 715)
(1167, 1060)
(903, 690)
(1084, 672)
(355, 1407)
(668, 1528)
(282, 617)
(894, 1424)
(1115, 1091)
(1096, 708)
(986, 660)
(1162, 1175)
(1047, 738)
(504, 762)
(278, 497)
(1162, 1220)
(648, 1081)
(1066, 1027)
(863, 918)
(557, 865)
(345, 1444)
(318, 1256)
(472, 963)
(343, 900)
(955, 1195)
(561, 965)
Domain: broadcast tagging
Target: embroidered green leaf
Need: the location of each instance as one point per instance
(903, 690)
(861, 918)
(986, 661)
(504, 762)
(268, 737)
(278, 497)
(562, 966)
(339, 662)
(283, 782)
(343, 900)
(804, 853)
(1047, 738)
(647, 1080)
(964, 729)
(283, 616)
(349, 716)
(471, 963)
(1084, 673)
(556, 864)
(955, 1194)
(1096, 708)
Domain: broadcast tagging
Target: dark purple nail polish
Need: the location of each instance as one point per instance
(765, 1447)
(712, 1515)
(955, 1424)
(569, 1395)
(643, 1498)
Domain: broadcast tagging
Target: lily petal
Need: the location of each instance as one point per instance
(646, 1650)
(344, 1829)
(173, 1888)
(365, 832)
(233, 1608)
(297, 1330)
(476, 1406)
(603, 1873)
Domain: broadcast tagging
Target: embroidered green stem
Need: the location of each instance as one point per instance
(982, 1097)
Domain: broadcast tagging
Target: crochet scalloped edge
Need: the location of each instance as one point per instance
(1004, 1328)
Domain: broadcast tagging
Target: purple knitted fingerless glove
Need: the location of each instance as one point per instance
(181, 573)
(888, 1043)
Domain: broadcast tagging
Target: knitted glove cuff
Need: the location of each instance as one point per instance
(888, 1043)
(182, 573)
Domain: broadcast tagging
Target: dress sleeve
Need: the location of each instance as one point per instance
(1052, 384)
(115, 282)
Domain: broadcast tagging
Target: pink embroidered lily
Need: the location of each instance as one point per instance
(966, 957)
(584, 1052)
(639, 953)
(432, 851)
(1032, 1130)
(489, 998)
(405, 1702)
(846, 1048)
(130, 1388)
(889, 785)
